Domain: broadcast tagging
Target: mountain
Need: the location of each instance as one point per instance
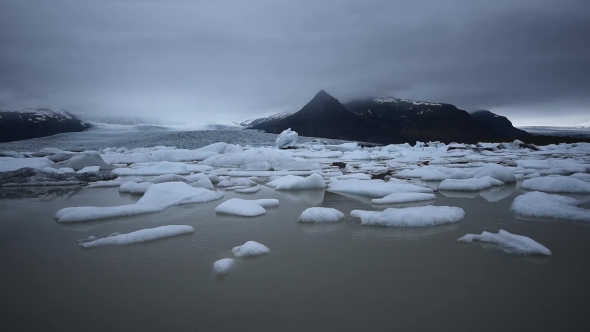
(37, 122)
(423, 121)
(500, 125)
(267, 120)
(324, 116)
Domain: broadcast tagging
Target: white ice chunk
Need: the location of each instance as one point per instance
(249, 190)
(557, 184)
(89, 169)
(287, 138)
(135, 188)
(245, 208)
(157, 198)
(265, 159)
(236, 182)
(396, 198)
(542, 205)
(250, 248)
(200, 180)
(144, 235)
(342, 147)
(374, 188)
(8, 164)
(85, 159)
(357, 176)
(504, 174)
(159, 168)
(223, 266)
(473, 184)
(293, 182)
(509, 243)
(581, 176)
(321, 215)
(411, 216)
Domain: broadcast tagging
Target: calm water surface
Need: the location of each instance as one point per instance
(341, 276)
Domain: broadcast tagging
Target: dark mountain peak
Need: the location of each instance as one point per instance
(322, 94)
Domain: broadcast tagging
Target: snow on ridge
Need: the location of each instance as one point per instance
(41, 112)
(384, 100)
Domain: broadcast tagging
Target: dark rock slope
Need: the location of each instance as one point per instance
(37, 122)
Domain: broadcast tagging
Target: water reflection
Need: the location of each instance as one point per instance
(400, 233)
(311, 197)
(318, 229)
(38, 193)
(493, 194)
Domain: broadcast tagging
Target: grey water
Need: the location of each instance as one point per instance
(327, 277)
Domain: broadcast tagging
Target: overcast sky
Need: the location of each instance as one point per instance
(229, 60)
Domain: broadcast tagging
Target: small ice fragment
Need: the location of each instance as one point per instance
(250, 248)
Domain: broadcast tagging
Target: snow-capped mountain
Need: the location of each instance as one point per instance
(267, 120)
(390, 120)
(37, 122)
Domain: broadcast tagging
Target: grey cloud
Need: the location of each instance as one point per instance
(230, 60)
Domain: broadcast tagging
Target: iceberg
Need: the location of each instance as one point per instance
(250, 248)
(557, 184)
(397, 198)
(286, 139)
(246, 208)
(223, 266)
(144, 235)
(473, 184)
(509, 243)
(157, 198)
(541, 205)
(374, 188)
(411, 216)
(293, 182)
(320, 215)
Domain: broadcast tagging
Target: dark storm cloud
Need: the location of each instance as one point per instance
(230, 60)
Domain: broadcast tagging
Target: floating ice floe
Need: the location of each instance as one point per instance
(542, 205)
(249, 190)
(581, 176)
(509, 243)
(320, 215)
(85, 159)
(473, 184)
(236, 182)
(287, 138)
(439, 173)
(553, 166)
(135, 188)
(246, 208)
(158, 168)
(374, 188)
(397, 198)
(223, 266)
(354, 176)
(157, 198)
(89, 169)
(62, 170)
(144, 235)
(342, 147)
(250, 248)
(411, 216)
(293, 182)
(9, 164)
(557, 184)
(262, 160)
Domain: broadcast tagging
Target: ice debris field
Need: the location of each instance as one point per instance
(385, 176)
